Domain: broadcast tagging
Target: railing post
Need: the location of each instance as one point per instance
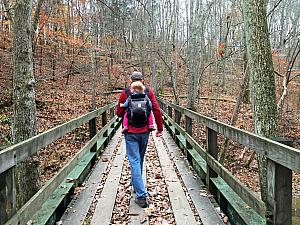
(7, 195)
(189, 130)
(212, 149)
(164, 108)
(177, 116)
(177, 120)
(93, 132)
(104, 122)
(104, 118)
(169, 109)
(112, 114)
(279, 200)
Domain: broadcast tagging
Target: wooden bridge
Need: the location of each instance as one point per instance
(92, 188)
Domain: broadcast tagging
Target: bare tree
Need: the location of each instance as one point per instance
(262, 79)
(24, 107)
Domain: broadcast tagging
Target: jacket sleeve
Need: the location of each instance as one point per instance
(126, 104)
(156, 111)
(120, 111)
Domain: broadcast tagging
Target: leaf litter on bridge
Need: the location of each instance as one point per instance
(159, 211)
(101, 183)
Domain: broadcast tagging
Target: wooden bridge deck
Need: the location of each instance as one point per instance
(107, 196)
(178, 196)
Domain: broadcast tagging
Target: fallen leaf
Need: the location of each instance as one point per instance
(225, 219)
(71, 180)
(165, 205)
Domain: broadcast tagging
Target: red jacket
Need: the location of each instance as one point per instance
(155, 109)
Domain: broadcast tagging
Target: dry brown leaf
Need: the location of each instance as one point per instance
(165, 205)
(225, 219)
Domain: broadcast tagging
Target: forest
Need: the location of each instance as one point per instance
(235, 61)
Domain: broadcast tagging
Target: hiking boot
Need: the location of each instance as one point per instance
(142, 202)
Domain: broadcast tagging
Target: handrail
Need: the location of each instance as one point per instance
(281, 161)
(34, 204)
(250, 197)
(280, 153)
(10, 156)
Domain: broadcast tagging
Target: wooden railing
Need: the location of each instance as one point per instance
(281, 161)
(9, 157)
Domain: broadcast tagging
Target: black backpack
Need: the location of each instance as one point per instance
(138, 108)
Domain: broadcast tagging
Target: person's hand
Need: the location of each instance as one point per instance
(158, 133)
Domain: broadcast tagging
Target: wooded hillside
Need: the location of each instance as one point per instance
(191, 52)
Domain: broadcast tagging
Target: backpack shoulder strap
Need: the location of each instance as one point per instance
(127, 91)
(147, 90)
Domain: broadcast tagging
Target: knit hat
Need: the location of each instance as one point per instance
(136, 76)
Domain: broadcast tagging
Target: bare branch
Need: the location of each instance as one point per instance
(273, 9)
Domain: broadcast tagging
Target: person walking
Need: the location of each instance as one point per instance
(137, 135)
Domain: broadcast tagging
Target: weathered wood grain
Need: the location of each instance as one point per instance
(106, 202)
(18, 152)
(280, 153)
(181, 209)
(204, 207)
(34, 204)
(79, 207)
(250, 197)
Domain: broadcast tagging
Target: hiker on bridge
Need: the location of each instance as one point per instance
(137, 135)
(138, 89)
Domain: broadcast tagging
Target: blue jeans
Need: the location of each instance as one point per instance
(136, 145)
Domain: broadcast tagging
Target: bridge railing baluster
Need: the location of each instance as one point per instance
(93, 132)
(14, 154)
(189, 130)
(111, 116)
(279, 201)
(177, 120)
(212, 149)
(104, 122)
(281, 161)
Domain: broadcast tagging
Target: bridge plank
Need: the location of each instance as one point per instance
(203, 205)
(79, 206)
(105, 204)
(136, 213)
(181, 209)
(35, 203)
(249, 196)
(236, 208)
(48, 213)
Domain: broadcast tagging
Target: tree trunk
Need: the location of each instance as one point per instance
(234, 116)
(24, 107)
(262, 80)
